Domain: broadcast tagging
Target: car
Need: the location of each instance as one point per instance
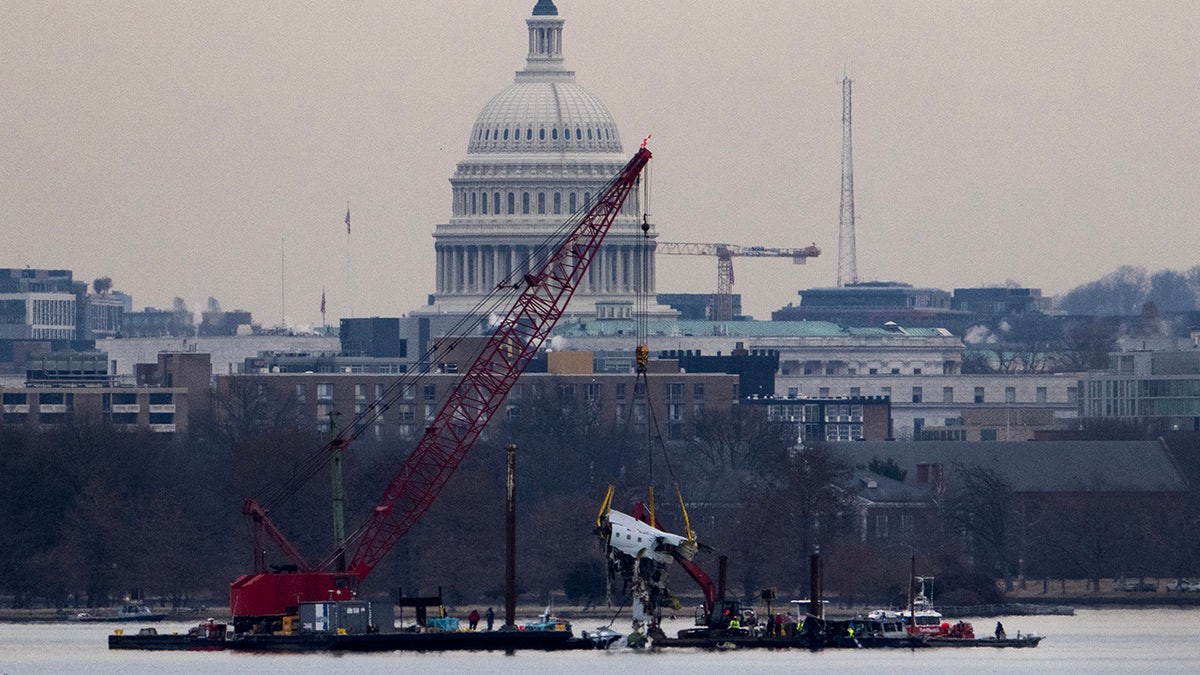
(1184, 586)
(1135, 586)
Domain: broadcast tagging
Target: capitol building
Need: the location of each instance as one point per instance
(539, 151)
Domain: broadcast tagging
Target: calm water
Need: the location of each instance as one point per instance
(1093, 641)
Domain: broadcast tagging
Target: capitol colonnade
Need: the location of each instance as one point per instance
(477, 269)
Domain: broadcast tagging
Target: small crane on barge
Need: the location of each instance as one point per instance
(270, 593)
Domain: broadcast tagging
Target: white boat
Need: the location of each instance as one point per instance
(126, 612)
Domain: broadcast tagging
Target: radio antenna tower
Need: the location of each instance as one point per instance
(847, 259)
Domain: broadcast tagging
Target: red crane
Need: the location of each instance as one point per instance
(544, 294)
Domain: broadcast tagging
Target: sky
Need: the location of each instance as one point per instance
(209, 148)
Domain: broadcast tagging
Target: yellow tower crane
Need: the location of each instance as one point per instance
(723, 306)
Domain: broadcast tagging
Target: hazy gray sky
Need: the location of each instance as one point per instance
(174, 145)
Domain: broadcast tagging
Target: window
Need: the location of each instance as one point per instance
(483, 205)
(430, 392)
(639, 412)
(324, 391)
(566, 392)
(512, 203)
(1010, 394)
(895, 371)
(474, 203)
(378, 391)
(639, 390)
(409, 392)
(1041, 394)
(822, 391)
(542, 203)
(591, 392)
(979, 394)
(674, 391)
(698, 390)
(885, 391)
(906, 526)
(1072, 394)
(620, 409)
(301, 392)
(987, 434)
(793, 392)
(918, 425)
(916, 371)
(881, 527)
(916, 395)
(947, 394)
(541, 134)
(557, 203)
(512, 413)
(524, 202)
(872, 371)
(360, 392)
(621, 390)
(855, 391)
(675, 412)
(406, 413)
(571, 202)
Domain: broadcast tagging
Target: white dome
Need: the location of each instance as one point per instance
(539, 115)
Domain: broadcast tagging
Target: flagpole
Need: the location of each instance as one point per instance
(282, 284)
(349, 291)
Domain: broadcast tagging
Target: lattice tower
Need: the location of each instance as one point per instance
(847, 259)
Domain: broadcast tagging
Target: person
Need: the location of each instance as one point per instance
(473, 618)
(734, 624)
(1000, 635)
(491, 617)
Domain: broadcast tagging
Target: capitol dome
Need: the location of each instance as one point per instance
(540, 115)
(538, 154)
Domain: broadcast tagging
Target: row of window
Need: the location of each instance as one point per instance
(592, 391)
(580, 134)
(840, 368)
(979, 395)
(67, 398)
(475, 203)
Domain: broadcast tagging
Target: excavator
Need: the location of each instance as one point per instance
(260, 600)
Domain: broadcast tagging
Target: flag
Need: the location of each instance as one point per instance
(347, 220)
(322, 302)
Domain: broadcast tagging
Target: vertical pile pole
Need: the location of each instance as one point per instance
(816, 605)
(510, 541)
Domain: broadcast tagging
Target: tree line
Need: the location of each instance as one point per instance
(93, 515)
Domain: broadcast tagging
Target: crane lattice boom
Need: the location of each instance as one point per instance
(453, 430)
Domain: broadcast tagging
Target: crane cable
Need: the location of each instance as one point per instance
(642, 330)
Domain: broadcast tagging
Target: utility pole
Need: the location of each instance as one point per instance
(847, 259)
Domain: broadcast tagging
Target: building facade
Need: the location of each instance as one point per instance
(1157, 386)
(538, 154)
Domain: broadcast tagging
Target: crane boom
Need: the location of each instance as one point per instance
(489, 378)
(454, 429)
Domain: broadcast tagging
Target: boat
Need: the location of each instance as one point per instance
(603, 637)
(548, 622)
(206, 637)
(125, 613)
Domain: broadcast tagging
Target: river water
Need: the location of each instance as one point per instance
(1092, 641)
